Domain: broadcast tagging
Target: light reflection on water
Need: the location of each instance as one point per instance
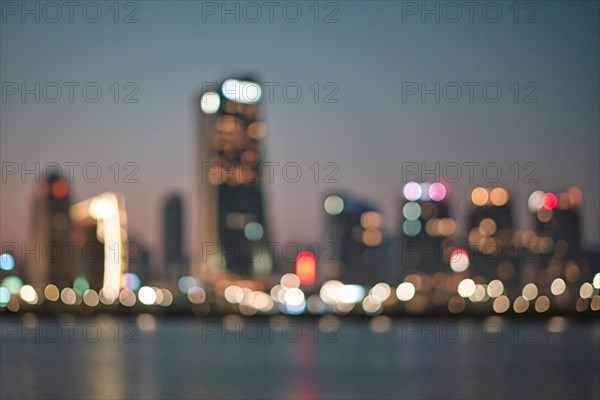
(149, 357)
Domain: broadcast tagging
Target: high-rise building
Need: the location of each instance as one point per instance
(232, 223)
(490, 236)
(557, 217)
(427, 228)
(353, 250)
(173, 238)
(101, 228)
(555, 242)
(51, 234)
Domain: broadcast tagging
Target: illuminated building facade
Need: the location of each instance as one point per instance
(101, 228)
(490, 236)
(51, 234)
(427, 229)
(353, 250)
(557, 218)
(232, 226)
(557, 236)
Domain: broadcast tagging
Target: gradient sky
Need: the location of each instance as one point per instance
(369, 133)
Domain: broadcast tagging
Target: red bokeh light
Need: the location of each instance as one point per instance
(306, 267)
(59, 189)
(549, 201)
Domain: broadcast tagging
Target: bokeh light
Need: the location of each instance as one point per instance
(306, 267)
(13, 284)
(51, 293)
(412, 191)
(466, 288)
(530, 291)
(535, 201)
(405, 291)
(459, 260)
(28, 294)
(411, 211)
(549, 201)
(147, 295)
(437, 191)
(4, 296)
(7, 262)
(131, 281)
(411, 228)
(558, 286)
(479, 196)
(334, 205)
(499, 196)
(210, 102)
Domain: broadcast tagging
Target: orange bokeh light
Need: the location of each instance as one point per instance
(306, 267)
(59, 189)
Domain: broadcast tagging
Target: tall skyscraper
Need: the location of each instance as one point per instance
(427, 228)
(353, 249)
(101, 227)
(232, 222)
(51, 234)
(490, 236)
(556, 239)
(173, 238)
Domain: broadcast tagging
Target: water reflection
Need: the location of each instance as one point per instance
(234, 357)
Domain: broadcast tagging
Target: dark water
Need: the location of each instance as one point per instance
(147, 357)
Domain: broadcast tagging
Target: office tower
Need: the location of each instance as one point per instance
(173, 239)
(427, 229)
(101, 227)
(490, 235)
(353, 251)
(232, 224)
(557, 221)
(51, 231)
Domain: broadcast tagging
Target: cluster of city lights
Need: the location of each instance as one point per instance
(370, 228)
(243, 92)
(368, 231)
(489, 196)
(334, 296)
(13, 290)
(414, 191)
(413, 211)
(544, 203)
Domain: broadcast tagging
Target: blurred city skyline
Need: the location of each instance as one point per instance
(369, 133)
(299, 199)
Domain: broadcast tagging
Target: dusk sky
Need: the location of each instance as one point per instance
(369, 54)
